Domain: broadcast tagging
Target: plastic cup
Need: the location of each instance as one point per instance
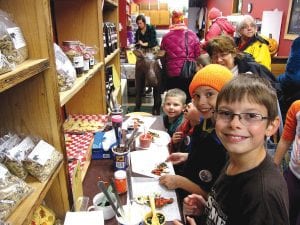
(133, 215)
(117, 112)
(145, 140)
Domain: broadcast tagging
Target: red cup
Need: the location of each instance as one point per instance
(145, 140)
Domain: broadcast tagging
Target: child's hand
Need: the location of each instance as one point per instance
(193, 205)
(177, 137)
(169, 181)
(177, 158)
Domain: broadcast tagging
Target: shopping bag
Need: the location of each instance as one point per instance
(188, 69)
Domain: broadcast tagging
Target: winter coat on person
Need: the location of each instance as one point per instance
(219, 26)
(290, 79)
(174, 44)
(246, 63)
(149, 36)
(258, 47)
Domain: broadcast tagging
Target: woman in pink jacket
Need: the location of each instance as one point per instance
(219, 25)
(174, 44)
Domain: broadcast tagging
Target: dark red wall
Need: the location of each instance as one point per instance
(258, 7)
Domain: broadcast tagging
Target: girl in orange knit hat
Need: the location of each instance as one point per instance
(207, 156)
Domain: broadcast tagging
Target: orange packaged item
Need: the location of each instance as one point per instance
(120, 181)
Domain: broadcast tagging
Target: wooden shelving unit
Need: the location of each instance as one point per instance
(30, 103)
(40, 189)
(111, 56)
(30, 99)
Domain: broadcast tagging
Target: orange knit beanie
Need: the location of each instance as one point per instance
(212, 75)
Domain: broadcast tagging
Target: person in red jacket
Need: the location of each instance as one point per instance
(174, 44)
(219, 25)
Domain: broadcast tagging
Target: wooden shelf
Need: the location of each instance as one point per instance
(111, 56)
(23, 213)
(110, 3)
(22, 72)
(80, 82)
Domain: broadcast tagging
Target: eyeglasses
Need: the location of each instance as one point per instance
(247, 26)
(216, 56)
(245, 118)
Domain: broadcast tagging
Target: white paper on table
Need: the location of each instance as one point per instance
(148, 186)
(144, 161)
(79, 218)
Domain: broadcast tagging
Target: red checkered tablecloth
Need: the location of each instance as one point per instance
(89, 117)
(77, 146)
(79, 123)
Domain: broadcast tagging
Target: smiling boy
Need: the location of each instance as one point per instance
(173, 106)
(207, 156)
(250, 190)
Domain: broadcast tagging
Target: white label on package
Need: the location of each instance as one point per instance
(2, 58)
(17, 37)
(21, 150)
(41, 153)
(3, 172)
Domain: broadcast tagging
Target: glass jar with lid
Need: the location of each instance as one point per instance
(73, 50)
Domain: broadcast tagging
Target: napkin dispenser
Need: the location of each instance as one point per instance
(102, 145)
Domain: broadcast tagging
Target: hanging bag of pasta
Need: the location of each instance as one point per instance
(13, 47)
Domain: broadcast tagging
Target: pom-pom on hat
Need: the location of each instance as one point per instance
(177, 17)
(214, 13)
(212, 75)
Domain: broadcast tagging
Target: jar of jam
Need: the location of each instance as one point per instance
(91, 51)
(120, 181)
(73, 50)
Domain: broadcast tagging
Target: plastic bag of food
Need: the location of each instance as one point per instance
(5, 66)
(9, 141)
(42, 161)
(12, 191)
(43, 216)
(12, 42)
(66, 71)
(16, 155)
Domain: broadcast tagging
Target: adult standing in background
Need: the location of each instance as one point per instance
(145, 39)
(174, 44)
(250, 42)
(219, 25)
(145, 36)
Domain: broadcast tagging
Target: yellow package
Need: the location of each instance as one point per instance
(43, 216)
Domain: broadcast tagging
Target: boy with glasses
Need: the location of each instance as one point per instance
(250, 190)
